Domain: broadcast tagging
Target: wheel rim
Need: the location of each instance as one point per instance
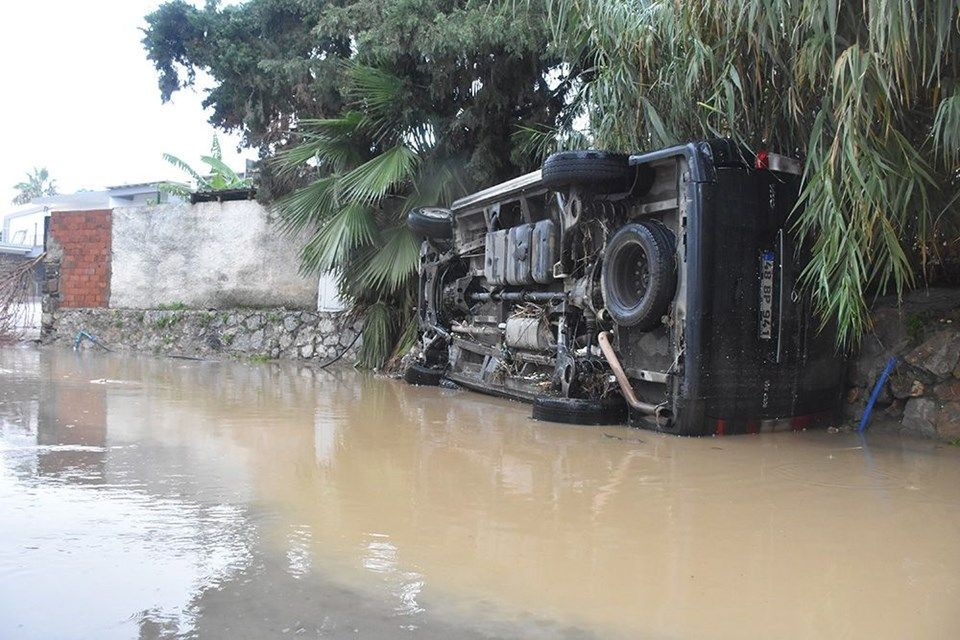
(631, 275)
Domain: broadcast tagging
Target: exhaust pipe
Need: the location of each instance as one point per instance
(625, 387)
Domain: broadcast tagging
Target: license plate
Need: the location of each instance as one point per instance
(766, 295)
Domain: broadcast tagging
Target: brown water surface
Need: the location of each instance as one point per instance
(151, 498)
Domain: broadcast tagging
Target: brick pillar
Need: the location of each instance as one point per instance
(82, 242)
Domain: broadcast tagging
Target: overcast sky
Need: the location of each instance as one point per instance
(80, 98)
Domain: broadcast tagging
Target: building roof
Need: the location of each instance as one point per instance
(28, 209)
(144, 187)
(95, 199)
(78, 200)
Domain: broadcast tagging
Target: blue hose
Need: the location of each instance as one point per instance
(83, 335)
(891, 363)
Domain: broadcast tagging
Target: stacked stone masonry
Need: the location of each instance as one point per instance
(922, 396)
(258, 333)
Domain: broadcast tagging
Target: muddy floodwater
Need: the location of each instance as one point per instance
(155, 498)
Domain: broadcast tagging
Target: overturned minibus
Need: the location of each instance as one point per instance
(657, 288)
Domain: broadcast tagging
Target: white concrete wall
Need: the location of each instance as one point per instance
(208, 256)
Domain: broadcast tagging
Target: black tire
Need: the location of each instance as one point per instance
(639, 274)
(419, 375)
(598, 171)
(431, 222)
(611, 410)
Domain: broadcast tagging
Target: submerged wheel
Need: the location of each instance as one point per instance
(431, 222)
(611, 410)
(599, 171)
(417, 374)
(639, 274)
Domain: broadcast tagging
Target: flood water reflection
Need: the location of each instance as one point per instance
(157, 498)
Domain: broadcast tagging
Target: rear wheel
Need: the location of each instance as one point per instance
(431, 222)
(419, 375)
(611, 410)
(596, 171)
(639, 274)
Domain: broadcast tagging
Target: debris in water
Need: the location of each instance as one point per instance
(610, 435)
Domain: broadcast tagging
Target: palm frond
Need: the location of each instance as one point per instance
(335, 144)
(338, 153)
(377, 93)
(373, 179)
(436, 183)
(311, 205)
(378, 336)
(394, 262)
(352, 227)
(408, 336)
(346, 125)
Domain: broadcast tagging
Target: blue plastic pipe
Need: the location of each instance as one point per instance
(891, 363)
(83, 335)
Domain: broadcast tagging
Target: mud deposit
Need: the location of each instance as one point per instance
(157, 498)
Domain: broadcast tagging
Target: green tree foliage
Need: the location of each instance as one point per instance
(37, 184)
(867, 92)
(400, 103)
(267, 65)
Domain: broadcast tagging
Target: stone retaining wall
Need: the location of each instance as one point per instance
(922, 395)
(261, 333)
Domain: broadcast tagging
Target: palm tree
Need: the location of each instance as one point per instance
(369, 167)
(868, 93)
(220, 178)
(37, 184)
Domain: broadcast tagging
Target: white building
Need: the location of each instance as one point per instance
(24, 226)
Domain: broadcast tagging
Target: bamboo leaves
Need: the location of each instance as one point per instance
(866, 92)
